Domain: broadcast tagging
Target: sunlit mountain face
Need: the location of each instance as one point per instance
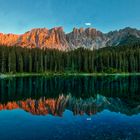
(80, 95)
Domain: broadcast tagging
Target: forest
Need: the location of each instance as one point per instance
(105, 60)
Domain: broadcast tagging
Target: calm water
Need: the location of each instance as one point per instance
(55, 108)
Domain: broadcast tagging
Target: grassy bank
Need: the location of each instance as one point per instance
(10, 75)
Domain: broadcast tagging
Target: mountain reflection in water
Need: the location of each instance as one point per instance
(81, 95)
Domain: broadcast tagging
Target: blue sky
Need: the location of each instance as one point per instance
(18, 16)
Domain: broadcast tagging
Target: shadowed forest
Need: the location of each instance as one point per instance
(108, 60)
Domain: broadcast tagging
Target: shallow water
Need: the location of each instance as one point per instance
(85, 107)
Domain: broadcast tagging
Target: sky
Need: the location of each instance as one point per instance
(19, 16)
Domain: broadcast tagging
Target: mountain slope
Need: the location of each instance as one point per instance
(123, 37)
(88, 38)
(39, 37)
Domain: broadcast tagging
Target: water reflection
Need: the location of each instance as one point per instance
(81, 95)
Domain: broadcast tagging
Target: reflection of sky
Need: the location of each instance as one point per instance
(18, 124)
(18, 16)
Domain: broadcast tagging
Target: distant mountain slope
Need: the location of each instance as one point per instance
(58, 39)
(123, 37)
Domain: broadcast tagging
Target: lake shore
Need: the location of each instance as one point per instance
(11, 75)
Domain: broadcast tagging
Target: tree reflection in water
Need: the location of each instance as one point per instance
(42, 96)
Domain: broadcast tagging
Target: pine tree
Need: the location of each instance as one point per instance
(12, 61)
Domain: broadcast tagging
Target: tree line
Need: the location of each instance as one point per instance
(109, 59)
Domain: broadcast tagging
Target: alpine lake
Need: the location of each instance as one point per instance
(70, 108)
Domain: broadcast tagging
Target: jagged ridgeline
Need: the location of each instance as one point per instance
(109, 60)
(90, 95)
(83, 37)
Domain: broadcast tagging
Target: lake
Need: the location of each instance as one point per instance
(70, 107)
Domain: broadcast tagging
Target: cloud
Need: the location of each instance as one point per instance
(88, 24)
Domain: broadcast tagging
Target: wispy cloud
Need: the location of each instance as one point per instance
(88, 24)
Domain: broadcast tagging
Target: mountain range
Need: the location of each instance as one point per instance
(82, 37)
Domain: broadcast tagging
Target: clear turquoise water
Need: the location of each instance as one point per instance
(112, 102)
